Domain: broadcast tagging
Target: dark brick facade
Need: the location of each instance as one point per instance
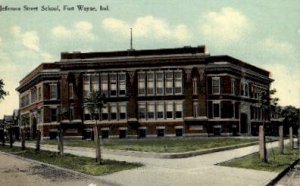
(214, 92)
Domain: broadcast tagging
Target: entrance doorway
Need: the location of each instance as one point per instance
(244, 123)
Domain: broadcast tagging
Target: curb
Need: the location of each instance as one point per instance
(283, 173)
(60, 168)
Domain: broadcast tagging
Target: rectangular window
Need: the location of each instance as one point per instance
(216, 85)
(86, 86)
(122, 84)
(216, 109)
(71, 91)
(141, 84)
(87, 115)
(242, 89)
(227, 110)
(104, 113)
(54, 115)
(195, 86)
(122, 111)
(95, 83)
(178, 82)
(104, 84)
(33, 95)
(169, 110)
(195, 109)
(150, 83)
(178, 110)
(142, 110)
(40, 93)
(71, 112)
(113, 112)
(160, 110)
(233, 86)
(150, 110)
(113, 85)
(169, 83)
(159, 83)
(53, 91)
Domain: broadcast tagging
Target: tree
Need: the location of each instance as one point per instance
(2, 91)
(94, 103)
(25, 121)
(62, 112)
(291, 116)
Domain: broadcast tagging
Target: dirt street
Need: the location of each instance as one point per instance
(19, 172)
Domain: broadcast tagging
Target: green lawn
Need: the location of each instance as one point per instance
(160, 145)
(276, 161)
(80, 164)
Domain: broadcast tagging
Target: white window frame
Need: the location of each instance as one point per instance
(160, 81)
(150, 81)
(213, 80)
(170, 79)
(122, 85)
(178, 80)
(141, 81)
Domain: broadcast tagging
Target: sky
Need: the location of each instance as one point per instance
(263, 33)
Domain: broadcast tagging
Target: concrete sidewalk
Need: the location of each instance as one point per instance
(197, 170)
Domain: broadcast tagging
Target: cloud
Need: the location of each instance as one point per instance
(277, 47)
(81, 29)
(225, 25)
(148, 27)
(29, 39)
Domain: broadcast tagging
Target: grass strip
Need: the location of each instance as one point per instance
(276, 162)
(160, 145)
(77, 163)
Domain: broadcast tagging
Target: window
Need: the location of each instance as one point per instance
(104, 84)
(142, 110)
(71, 91)
(178, 82)
(169, 83)
(195, 86)
(40, 93)
(150, 83)
(113, 85)
(150, 110)
(246, 89)
(86, 86)
(122, 84)
(232, 86)
(216, 85)
(104, 113)
(169, 110)
(227, 109)
(160, 111)
(71, 112)
(113, 112)
(195, 109)
(216, 110)
(160, 132)
(178, 110)
(159, 83)
(95, 83)
(53, 114)
(122, 111)
(141, 83)
(53, 91)
(33, 95)
(87, 115)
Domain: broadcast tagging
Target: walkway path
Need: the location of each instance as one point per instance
(198, 170)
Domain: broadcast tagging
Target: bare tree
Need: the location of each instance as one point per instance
(94, 103)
